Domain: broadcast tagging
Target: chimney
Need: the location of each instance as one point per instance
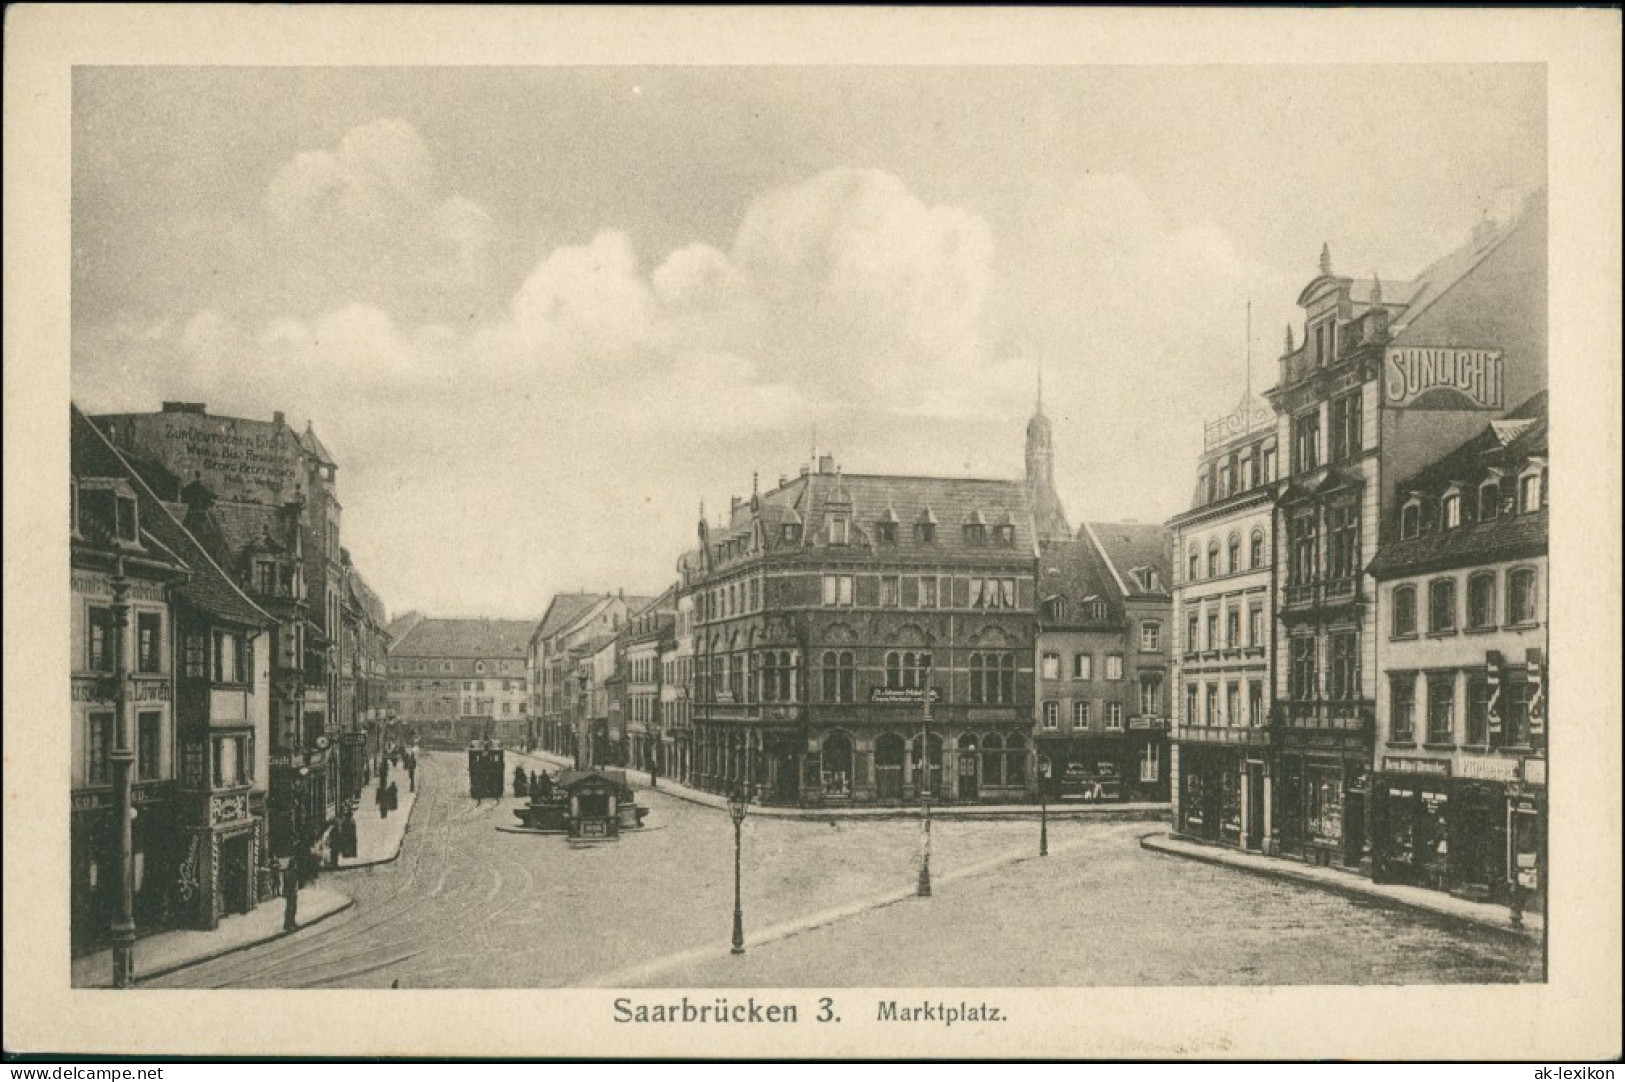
(826, 463)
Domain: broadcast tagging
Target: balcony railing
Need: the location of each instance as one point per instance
(1322, 594)
(1351, 716)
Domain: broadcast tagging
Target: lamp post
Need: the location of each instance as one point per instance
(923, 887)
(1043, 807)
(736, 811)
(123, 761)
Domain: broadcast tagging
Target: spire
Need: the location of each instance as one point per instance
(1289, 344)
(1325, 259)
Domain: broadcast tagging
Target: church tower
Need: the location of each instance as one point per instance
(1048, 517)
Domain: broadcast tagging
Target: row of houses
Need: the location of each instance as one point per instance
(1360, 677)
(796, 651)
(227, 665)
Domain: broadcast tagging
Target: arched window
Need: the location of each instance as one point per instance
(894, 674)
(1404, 611)
(993, 760)
(846, 667)
(1235, 553)
(1256, 547)
(1194, 566)
(1450, 511)
(1489, 501)
(1212, 559)
(1410, 521)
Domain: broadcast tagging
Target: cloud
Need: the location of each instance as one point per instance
(863, 284)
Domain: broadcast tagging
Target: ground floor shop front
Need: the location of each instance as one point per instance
(1321, 803)
(1477, 837)
(1225, 795)
(867, 763)
(1129, 767)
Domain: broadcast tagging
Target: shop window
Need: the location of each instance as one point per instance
(1150, 637)
(1150, 763)
(1442, 708)
(1015, 760)
(1114, 716)
(1051, 666)
(1402, 707)
(1080, 715)
(1442, 606)
(149, 745)
(1404, 618)
(1083, 666)
(1052, 715)
(99, 747)
(1521, 596)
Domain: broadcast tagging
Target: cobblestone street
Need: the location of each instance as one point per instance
(470, 906)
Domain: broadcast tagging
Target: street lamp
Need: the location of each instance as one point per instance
(1043, 807)
(923, 888)
(122, 758)
(736, 811)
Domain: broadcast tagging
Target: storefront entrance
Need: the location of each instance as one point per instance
(237, 874)
(1255, 806)
(969, 768)
(889, 767)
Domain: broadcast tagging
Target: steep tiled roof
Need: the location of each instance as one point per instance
(1509, 537)
(951, 501)
(208, 587)
(366, 598)
(1074, 572)
(1127, 546)
(314, 447)
(464, 638)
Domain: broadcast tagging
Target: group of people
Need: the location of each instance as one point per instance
(388, 796)
(537, 787)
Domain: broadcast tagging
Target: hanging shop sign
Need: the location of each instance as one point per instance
(900, 695)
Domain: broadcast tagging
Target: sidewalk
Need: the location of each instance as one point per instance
(1152, 812)
(166, 952)
(1484, 914)
(378, 841)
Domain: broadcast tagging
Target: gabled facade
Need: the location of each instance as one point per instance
(453, 681)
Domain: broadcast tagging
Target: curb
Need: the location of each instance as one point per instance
(392, 858)
(1354, 888)
(235, 948)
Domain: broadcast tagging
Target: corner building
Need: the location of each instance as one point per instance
(827, 608)
(1389, 376)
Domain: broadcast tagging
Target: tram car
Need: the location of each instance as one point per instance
(485, 770)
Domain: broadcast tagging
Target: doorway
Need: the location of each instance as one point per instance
(889, 766)
(968, 768)
(236, 874)
(1255, 806)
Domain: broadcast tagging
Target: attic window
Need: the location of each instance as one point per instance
(1095, 610)
(1006, 534)
(1489, 501)
(975, 533)
(792, 532)
(837, 530)
(926, 531)
(1410, 520)
(1055, 608)
(1450, 508)
(1530, 496)
(887, 532)
(1147, 578)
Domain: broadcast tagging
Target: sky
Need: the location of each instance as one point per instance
(541, 315)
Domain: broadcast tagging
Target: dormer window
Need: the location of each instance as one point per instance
(113, 507)
(1055, 609)
(886, 532)
(1410, 520)
(975, 533)
(926, 532)
(1007, 535)
(1450, 510)
(837, 530)
(791, 532)
(1489, 501)
(1530, 495)
(1095, 610)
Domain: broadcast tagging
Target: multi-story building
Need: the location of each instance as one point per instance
(1459, 794)
(452, 681)
(1224, 616)
(170, 681)
(571, 620)
(677, 693)
(827, 608)
(363, 676)
(1100, 726)
(1389, 376)
(646, 635)
(262, 499)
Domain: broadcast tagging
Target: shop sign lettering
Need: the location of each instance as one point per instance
(1394, 765)
(1488, 769)
(1462, 378)
(900, 695)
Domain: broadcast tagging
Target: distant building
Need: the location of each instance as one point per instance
(556, 644)
(1459, 794)
(452, 681)
(646, 636)
(826, 608)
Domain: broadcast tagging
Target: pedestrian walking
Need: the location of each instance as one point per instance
(394, 797)
(335, 843)
(412, 771)
(290, 896)
(347, 838)
(519, 781)
(383, 800)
